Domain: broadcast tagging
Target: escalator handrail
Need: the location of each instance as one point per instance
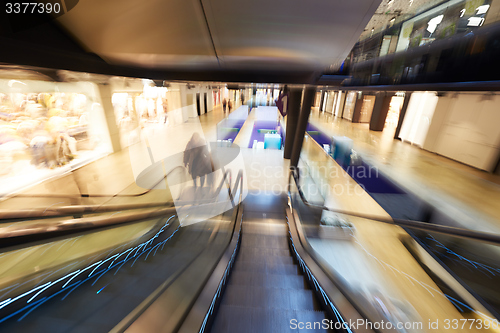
(46, 230)
(331, 290)
(442, 229)
(82, 195)
(58, 211)
(200, 314)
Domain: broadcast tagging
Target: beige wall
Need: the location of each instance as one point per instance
(465, 128)
(493, 13)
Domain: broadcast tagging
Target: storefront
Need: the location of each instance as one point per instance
(367, 108)
(142, 108)
(350, 103)
(392, 119)
(418, 117)
(47, 128)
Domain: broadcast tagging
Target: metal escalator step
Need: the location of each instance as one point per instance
(269, 298)
(265, 268)
(267, 280)
(264, 241)
(250, 320)
(259, 252)
(49, 324)
(112, 314)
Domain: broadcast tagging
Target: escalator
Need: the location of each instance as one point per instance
(100, 297)
(249, 269)
(111, 285)
(158, 281)
(266, 291)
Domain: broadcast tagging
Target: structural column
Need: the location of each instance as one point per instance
(380, 110)
(292, 119)
(402, 114)
(322, 100)
(109, 113)
(356, 114)
(302, 125)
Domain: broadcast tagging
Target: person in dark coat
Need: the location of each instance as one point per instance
(224, 102)
(229, 105)
(197, 160)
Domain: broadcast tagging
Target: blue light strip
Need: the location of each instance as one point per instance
(33, 303)
(316, 284)
(461, 259)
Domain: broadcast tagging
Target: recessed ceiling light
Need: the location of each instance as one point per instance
(482, 9)
(475, 21)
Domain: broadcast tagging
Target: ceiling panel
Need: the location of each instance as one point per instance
(220, 34)
(148, 33)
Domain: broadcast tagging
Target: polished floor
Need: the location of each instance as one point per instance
(469, 194)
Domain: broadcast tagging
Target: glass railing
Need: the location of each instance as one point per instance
(417, 276)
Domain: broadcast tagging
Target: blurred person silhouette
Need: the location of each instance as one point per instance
(198, 161)
(229, 105)
(224, 102)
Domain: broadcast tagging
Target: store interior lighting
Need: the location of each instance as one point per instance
(475, 21)
(433, 23)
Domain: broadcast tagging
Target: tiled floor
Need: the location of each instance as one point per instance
(468, 193)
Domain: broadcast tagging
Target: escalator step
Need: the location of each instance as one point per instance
(268, 280)
(269, 298)
(264, 241)
(271, 260)
(247, 319)
(48, 324)
(264, 268)
(113, 313)
(256, 252)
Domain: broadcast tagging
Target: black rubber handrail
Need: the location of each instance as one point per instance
(86, 195)
(196, 314)
(332, 292)
(21, 234)
(442, 229)
(201, 313)
(79, 210)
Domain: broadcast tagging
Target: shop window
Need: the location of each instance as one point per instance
(47, 126)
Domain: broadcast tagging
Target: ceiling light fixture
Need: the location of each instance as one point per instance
(433, 23)
(475, 21)
(482, 9)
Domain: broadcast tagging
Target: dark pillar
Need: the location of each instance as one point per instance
(402, 114)
(322, 100)
(302, 125)
(292, 119)
(380, 110)
(356, 114)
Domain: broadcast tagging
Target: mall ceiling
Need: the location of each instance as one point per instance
(227, 40)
